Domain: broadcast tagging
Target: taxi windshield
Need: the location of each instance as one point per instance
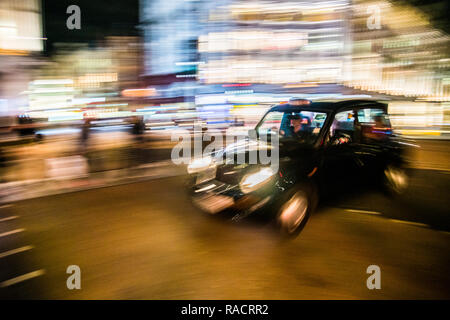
(301, 125)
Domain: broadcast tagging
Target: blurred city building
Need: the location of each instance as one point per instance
(384, 49)
(170, 31)
(83, 72)
(21, 41)
(405, 56)
(277, 43)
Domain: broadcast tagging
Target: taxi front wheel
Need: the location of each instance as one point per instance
(395, 179)
(294, 210)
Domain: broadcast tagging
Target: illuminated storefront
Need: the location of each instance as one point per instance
(403, 57)
(20, 27)
(20, 39)
(277, 43)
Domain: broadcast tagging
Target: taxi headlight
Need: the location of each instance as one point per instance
(256, 180)
(200, 164)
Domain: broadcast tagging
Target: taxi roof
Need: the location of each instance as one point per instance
(329, 105)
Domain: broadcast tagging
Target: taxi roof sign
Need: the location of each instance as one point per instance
(299, 102)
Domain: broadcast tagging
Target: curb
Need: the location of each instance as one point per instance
(29, 189)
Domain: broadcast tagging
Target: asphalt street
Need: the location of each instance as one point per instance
(147, 241)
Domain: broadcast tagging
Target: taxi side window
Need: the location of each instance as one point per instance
(375, 124)
(342, 129)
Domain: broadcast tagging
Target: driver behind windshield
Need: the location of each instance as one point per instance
(298, 126)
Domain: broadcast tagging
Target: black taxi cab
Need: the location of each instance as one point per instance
(319, 147)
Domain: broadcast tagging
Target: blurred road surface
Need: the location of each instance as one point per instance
(146, 241)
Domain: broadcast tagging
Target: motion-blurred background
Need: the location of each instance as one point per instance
(80, 106)
(150, 67)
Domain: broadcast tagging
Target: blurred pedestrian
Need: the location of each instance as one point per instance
(85, 130)
(138, 125)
